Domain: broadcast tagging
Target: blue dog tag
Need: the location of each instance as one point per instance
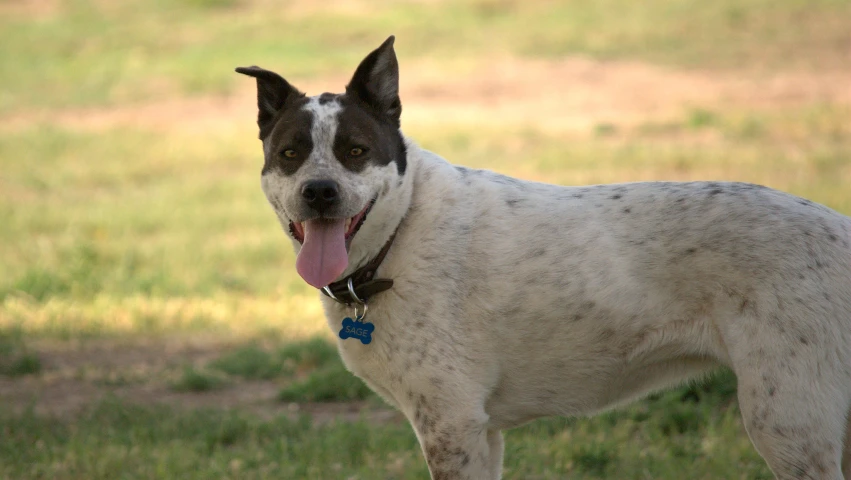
(357, 329)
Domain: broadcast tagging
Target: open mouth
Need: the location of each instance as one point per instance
(325, 242)
(352, 225)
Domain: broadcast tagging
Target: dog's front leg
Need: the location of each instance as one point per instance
(457, 446)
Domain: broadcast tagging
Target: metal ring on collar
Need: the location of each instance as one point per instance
(353, 294)
(361, 316)
(330, 294)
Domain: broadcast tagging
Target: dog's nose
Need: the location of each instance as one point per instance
(320, 195)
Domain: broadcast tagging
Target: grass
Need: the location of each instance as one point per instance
(113, 438)
(15, 358)
(195, 380)
(332, 383)
(86, 53)
(157, 230)
(249, 361)
(311, 367)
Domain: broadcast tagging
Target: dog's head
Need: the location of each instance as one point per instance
(331, 159)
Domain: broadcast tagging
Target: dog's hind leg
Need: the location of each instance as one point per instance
(795, 417)
(798, 433)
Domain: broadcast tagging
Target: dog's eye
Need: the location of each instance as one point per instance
(356, 152)
(289, 153)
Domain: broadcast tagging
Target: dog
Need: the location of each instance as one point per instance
(475, 302)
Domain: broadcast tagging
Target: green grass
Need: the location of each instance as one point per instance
(195, 380)
(113, 439)
(311, 367)
(332, 383)
(15, 358)
(115, 231)
(91, 53)
(249, 361)
(116, 440)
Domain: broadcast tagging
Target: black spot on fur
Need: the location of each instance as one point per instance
(627, 210)
(616, 196)
(804, 340)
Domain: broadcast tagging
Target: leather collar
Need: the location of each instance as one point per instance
(363, 282)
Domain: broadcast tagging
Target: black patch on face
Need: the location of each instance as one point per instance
(291, 131)
(327, 97)
(369, 118)
(378, 137)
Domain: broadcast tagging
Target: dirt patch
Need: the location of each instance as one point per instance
(75, 377)
(569, 94)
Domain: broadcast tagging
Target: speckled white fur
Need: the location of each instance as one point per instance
(515, 300)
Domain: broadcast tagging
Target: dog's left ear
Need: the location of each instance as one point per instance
(376, 82)
(273, 92)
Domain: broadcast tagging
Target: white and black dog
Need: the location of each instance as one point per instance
(494, 301)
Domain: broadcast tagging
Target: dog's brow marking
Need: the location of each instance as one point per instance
(324, 128)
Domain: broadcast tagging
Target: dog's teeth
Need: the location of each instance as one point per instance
(348, 224)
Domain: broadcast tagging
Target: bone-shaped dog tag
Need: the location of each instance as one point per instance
(357, 329)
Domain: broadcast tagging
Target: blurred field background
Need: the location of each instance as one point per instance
(152, 324)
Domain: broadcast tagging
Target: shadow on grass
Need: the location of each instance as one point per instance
(16, 359)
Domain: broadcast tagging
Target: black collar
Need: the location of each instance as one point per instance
(363, 283)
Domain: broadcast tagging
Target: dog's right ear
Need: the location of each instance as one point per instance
(273, 92)
(376, 81)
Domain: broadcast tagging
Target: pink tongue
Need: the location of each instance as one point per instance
(323, 255)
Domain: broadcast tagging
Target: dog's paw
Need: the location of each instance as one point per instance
(357, 329)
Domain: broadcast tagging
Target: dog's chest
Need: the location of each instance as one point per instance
(380, 363)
